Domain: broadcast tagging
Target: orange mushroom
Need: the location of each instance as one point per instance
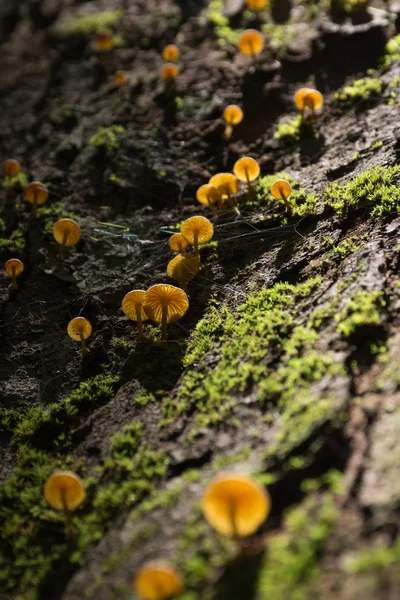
(308, 98)
(227, 185)
(67, 233)
(158, 580)
(104, 41)
(165, 304)
(247, 170)
(14, 267)
(208, 194)
(79, 329)
(184, 268)
(36, 194)
(178, 243)
(120, 78)
(64, 490)
(169, 72)
(132, 306)
(170, 53)
(256, 5)
(251, 43)
(11, 168)
(281, 190)
(235, 505)
(233, 115)
(197, 230)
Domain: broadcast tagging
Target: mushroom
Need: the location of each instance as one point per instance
(104, 41)
(14, 267)
(158, 580)
(184, 268)
(11, 168)
(235, 505)
(64, 490)
(120, 78)
(66, 232)
(178, 243)
(197, 230)
(36, 194)
(80, 329)
(308, 98)
(169, 72)
(247, 170)
(281, 190)
(170, 53)
(132, 306)
(233, 115)
(165, 304)
(208, 194)
(251, 43)
(227, 185)
(256, 5)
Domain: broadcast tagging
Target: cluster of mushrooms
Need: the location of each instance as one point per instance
(235, 505)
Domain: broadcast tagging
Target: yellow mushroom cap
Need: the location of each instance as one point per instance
(169, 72)
(104, 41)
(200, 225)
(64, 485)
(239, 495)
(36, 192)
(158, 580)
(313, 100)
(233, 114)
(170, 53)
(77, 326)
(132, 303)
(280, 189)
(162, 294)
(177, 242)
(207, 194)
(256, 5)
(184, 267)
(246, 169)
(120, 78)
(11, 167)
(226, 183)
(67, 232)
(251, 42)
(14, 267)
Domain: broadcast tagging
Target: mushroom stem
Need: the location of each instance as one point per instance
(232, 516)
(68, 516)
(8, 185)
(228, 132)
(62, 246)
(196, 242)
(286, 202)
(138, 309)
(183, 284)
(83, 343)
(13, 285)
(34, 207)
(249, 186)
(164, 320)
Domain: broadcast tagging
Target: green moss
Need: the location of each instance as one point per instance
(279, 36)
(377, 188)
(363, 310)
(289, 131)
(361, 89)
(376, 145)
(107, 137)
(52, 213)
(16, 241)
(19, 181)
(392, 51)
(223, 31)
(302, 203)
(375, 560)
(348, 246)
(88, 24)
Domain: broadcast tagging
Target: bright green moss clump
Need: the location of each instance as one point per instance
(289, 131)
(107, 137)
(361, 89)
(302, 203)
(88, 24)
(225, 33)
(363, 310)
(392, 51)
(377, 188)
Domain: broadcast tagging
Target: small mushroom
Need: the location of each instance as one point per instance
(227, 185)
(233, 115)
(169, 72)
(184, 268)
(14, 267)
(158, 580)
(178, 243)
(64, 490)
(256, 5)
(308, 98)
(197, 230)
(79, 329)
(11, 168)
(235, 505)
(120, 78)
(66, 232)
(251, 43)
(170, 53)
(165, 304)
(132, 306)
(247, 170)
(36, 194)
(208, 194)
(281, 190)
(104, 42)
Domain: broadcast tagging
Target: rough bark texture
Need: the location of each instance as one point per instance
(286, 363)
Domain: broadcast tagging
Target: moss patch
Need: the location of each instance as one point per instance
(363, 310)
(361, 89)
(289, 131)
(107, 137)
(301, 202)
(87, 24)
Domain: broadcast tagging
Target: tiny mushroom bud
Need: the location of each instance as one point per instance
(158, 580)
(308, 98)
(281, 190)
(197, 230)
(104, 41)
(247, 170)
(235, 505)
(169, 72)
(178, 243)
(36, 194)
(80, 329)
(66, 232)
(64, 490)
(184, 268)
(14, 267)
(227, 185)
(251, 43)
(120, 78)
(233, 115)
(256, 5)
(165, 304)
(208, 194)
(11, 168)
(170, 53)
(132, 306)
